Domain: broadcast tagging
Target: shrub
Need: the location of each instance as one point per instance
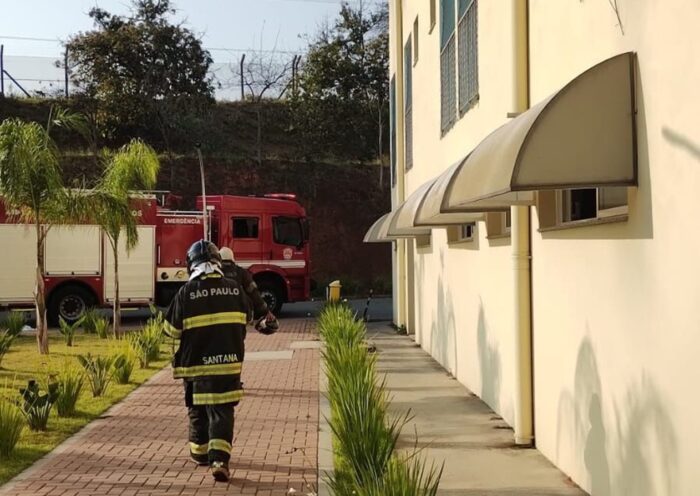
(6, 340)
(36, 406)
(90, 317)
(146, 343)
(14, 323)
(124, 362)
(99, 370)
(70, 381)
(364, 436)
(101, 326)
(11, 426)
(68, 330)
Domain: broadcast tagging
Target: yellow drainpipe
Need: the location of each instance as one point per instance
(520, 237)
(400, 254)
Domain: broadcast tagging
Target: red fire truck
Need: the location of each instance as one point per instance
(269, 236)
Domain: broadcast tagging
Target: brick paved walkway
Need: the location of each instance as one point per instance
(140, 447)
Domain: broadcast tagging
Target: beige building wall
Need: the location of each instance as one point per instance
(463, 294)
(616, 313)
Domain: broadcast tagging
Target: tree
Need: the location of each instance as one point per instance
(135, 166)
(32, 190)
(344, 85)
(141, 68)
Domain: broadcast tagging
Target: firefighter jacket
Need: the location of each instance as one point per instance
(208, 317)
(245, 280)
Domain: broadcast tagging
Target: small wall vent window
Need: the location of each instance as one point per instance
(468, 50)
(592, 203)
(448, 70)
(408, 103)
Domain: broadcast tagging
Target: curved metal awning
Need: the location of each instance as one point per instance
(411, 214)
(377, 232)
(582, 136)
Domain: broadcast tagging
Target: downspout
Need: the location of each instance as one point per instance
(520, 241)
(400, 244)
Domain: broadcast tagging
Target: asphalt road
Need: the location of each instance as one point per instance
(380, 310)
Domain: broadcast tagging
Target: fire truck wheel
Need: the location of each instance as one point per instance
(272, 294)
(69, 302)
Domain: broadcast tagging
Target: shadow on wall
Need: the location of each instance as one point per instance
(681, 141)
(640, 224)
(443, 342)
(618, 456)
(489, 364)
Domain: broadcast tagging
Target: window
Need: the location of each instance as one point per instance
(468, 63)
(392, 128)
(458, 60)
(245, 227)
(287, 231)
(408, 100)
(448, 72)
(498, 224)
(461, 233)
(591, 203)
(432, 15)
(415, 41)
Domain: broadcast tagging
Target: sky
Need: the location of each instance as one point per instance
(235, 25)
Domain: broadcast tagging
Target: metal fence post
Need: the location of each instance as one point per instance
(65, 69)
(2, 71)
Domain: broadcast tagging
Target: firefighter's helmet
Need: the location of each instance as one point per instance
(267, 326)
(226, 254)
(202, 251)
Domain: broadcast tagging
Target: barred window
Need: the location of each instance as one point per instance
(392, 128)
(448, 72)
(408, 102)
(468, 55)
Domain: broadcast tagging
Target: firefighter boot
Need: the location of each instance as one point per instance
(220, 472)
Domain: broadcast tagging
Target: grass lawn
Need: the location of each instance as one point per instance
(23, 362)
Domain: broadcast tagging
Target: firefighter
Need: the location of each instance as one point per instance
(266, 320)
(208, 316)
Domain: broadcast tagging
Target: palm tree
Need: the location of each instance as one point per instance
(135, 166)
(32, 189)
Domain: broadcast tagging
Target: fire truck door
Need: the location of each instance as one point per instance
(288, 243)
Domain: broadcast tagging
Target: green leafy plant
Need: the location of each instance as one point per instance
(11, 426)
(36, 406)
(70, 381)
(90, 317)
(124, 363)
(101, 326)
(146, 343)
(14, 323)
(6, 340)
(99, 370)
(68, 330)
(365, 438)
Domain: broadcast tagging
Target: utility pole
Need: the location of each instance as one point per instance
(198, 146)
(242, 78)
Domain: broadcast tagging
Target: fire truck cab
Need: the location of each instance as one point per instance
(269, 235)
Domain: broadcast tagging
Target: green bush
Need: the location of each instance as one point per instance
(365, 437)
(36, 406)
(6, 340)
(124, 363)
(101, 327)
(99, 370)
(14, 323)
(90, 317)
(11, 426)
(146, 343)
(68, 330)
(70, 381)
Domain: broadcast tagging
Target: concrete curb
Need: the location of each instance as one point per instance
(7, 488)
(325, 436)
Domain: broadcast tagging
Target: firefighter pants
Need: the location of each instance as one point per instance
(211, 428)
